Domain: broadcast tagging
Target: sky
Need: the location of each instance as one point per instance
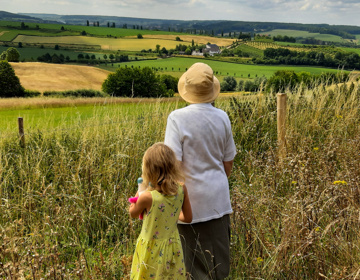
(338, 12)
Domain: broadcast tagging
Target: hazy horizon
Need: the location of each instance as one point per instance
(331, 12)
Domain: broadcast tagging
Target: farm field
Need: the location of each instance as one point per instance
(67, 113)
(34, 52)
(221, 42)
(304, 34)
(222, 68)
(58, 77)
(54, 29)
(355, 50)
(132, 44)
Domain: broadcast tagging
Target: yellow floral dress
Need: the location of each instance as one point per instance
(158, 253)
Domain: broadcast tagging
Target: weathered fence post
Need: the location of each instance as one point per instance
(21, 131)
(281, 125)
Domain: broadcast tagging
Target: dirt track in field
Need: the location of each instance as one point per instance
(58, 77)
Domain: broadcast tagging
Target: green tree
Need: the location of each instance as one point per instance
(188, 51)
(170, 82)
(11, 55)
(228, 84)
(157, 48)
(282, 80)
(139, 36)
(134, 82)
(9, 83)
(164, 50)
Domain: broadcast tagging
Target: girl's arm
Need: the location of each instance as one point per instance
(228, 166)
(143, 203)
(186, 212)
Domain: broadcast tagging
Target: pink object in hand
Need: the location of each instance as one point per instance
(133, 200)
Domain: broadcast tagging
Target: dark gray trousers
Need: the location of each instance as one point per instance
(206, 248)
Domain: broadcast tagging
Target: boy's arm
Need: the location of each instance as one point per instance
(143, 203)
(186, 213)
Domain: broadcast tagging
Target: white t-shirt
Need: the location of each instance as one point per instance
(201, 138)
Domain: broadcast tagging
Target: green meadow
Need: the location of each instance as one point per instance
(305, 34)
(177, 65)
(55, 30)
(48, 119)
(33, 53)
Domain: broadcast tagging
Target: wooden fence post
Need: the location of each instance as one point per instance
(21, 131)
(281, 125)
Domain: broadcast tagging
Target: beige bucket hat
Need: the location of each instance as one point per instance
(198, 84)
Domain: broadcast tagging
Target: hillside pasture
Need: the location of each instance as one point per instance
(58, 77)
(31, 54)
(129, 44)
(176, 66)
(304, 34)
(76, 29)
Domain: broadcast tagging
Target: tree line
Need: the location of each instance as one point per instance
(348, 60)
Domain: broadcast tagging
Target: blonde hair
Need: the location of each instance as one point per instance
(161, 169)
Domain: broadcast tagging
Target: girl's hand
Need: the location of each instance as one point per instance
(186, 212)
(144, 202)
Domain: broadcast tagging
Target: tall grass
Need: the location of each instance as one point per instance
(63, 209)
(298, 219)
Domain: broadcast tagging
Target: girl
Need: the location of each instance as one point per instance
(158, 253)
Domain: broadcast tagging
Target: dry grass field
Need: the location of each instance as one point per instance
(55, 77)
(128, 44)
(222, 42)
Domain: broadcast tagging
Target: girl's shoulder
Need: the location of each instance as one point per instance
(146, 195)
(181, 187)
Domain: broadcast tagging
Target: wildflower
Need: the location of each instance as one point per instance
(317, 229)
(340, 183)
(316, 148)
(339, 116)
(293, 182)
(259, 260)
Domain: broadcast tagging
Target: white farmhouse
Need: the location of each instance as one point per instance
(212, 49)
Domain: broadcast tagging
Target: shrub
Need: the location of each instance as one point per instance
(31, 93)
(229, 84)
(11, 55)
(9, 83)
(134, 82)
(75, 93)
(170, 82)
